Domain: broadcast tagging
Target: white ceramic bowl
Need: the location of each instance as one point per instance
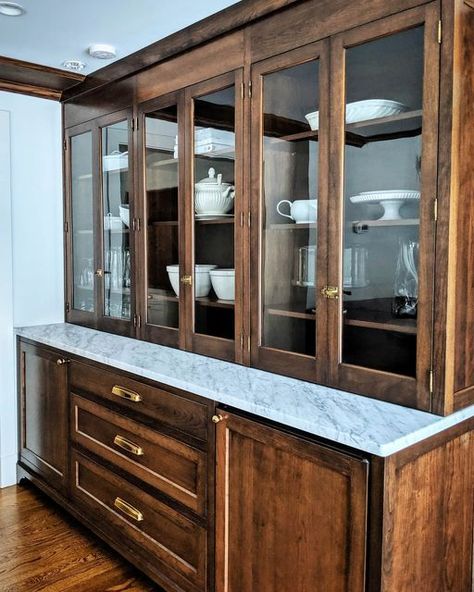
(112, 223)
(313, 120)
(213, 202)
(125, 214)
(223, 282)
(202, 280)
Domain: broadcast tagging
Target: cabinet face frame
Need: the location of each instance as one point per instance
(79, 317)
(274, 360)
(413, 392)
(217, 347)
(169, 336)
(356, 471)
(105, 323)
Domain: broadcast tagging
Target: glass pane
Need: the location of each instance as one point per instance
(162, 182)
(82, 222)
(381, 206)
(214, 195)
(289, 213)
(116, 209)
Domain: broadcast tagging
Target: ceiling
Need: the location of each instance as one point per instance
(52, 31)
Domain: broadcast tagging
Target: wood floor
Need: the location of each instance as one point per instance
(42, 548)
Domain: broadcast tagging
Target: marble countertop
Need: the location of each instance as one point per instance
(366, 424)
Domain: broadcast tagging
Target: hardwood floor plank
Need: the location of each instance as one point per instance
(42, 549)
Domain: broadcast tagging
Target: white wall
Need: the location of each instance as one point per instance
(31, 254)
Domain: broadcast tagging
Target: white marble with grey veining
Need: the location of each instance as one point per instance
(365, 424)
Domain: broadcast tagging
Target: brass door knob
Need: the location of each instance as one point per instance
(187, 280)
(217, 418)
(331, 292)
(61, 361)
(99, 273)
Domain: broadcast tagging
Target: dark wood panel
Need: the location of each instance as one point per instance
(60, 554)
(225, 21)
(429, 516)
(110, 99)
(169, 409)
(35, 79)
(172, 467)
(289, 513)
(177, 545)
(44, 416)
(316, 19)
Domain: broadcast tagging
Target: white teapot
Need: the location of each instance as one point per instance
(212, 197)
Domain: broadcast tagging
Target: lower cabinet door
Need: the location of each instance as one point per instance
(290, 514)
(172, 546)
(44, 413)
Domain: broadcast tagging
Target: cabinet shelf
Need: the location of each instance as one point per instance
(402, 326)
(376, 314)
(294, 314)
(361, 225)
(293, 226)
(168, 223)
(206, 301)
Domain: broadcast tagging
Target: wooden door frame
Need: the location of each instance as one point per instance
(412, 392)
(273, 360)
(76, 316)
(231, 350)
(104, 323)
(169, 336)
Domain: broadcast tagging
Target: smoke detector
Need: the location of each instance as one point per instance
(74, 65)
(102, 51)
(11, 9)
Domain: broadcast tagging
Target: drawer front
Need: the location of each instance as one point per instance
(173, 545)
(174, 411)
(177, 469)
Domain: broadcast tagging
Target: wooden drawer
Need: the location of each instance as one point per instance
(177, 469)
(169, 409)
(173, 546)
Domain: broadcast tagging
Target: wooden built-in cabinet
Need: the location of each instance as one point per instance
(206, 499)
(343, 133)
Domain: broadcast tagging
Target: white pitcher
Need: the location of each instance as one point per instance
(302, 211)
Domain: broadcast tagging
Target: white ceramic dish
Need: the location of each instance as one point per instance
(125, 214)
(223, 282)
(202, 280)
(391, 200)
(212, 196)
(302, 211)
(112, 223)
(117, 161)
(363, 111)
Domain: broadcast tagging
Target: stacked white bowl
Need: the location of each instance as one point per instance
(202, 279)
(223, 282)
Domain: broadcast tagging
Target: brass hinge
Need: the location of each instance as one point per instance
(66, 226)
(137, 321)
(242, 218)
(431, 382)
(331, 292)
(133, 124)
(67, 306)
(249, 219)
(242, 90)
(65, 144)
(435, 210)
(136, 225)
(440, 32)
(250, 89)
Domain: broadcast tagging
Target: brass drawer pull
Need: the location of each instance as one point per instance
(128, 510)
(127, 394)
(127, 445)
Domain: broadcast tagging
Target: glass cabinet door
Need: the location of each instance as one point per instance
(82, 264)
(216, 202)
(291, 116)
(387, 221)
(161, 157)
(115, 177)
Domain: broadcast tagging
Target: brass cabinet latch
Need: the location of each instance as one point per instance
(187, 280)
(330, 292)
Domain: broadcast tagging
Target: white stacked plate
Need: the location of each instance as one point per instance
(391, 201)
(363, 111)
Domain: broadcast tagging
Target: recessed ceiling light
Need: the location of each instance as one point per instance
(11, 9)
(74, 65)
(102, 51)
